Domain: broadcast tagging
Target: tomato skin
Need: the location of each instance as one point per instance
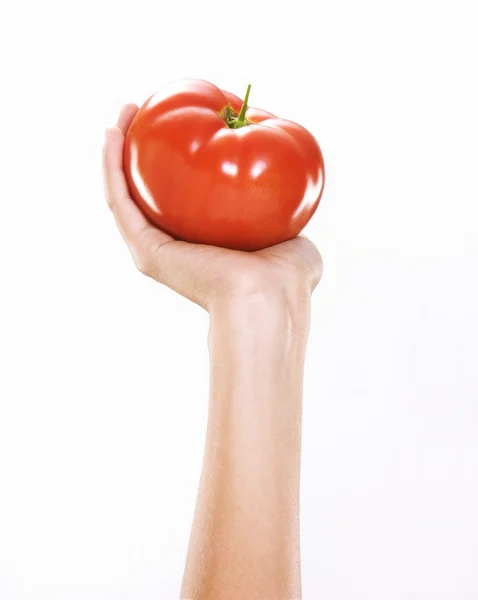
(204, 182)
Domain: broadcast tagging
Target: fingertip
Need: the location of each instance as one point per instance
(114, 131)
(126, 115)
(129, 107)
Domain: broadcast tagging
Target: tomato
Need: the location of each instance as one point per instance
(206, 168)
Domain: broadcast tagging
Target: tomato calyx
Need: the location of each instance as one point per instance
(236, 120)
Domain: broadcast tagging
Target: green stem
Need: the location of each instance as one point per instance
(242, 115)
(233, 120)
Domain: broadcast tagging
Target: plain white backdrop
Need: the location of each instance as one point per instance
(104, 374)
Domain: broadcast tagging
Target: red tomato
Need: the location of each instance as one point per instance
(206, 174)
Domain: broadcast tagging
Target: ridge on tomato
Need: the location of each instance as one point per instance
(208, 169)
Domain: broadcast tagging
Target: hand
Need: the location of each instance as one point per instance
(204, 274)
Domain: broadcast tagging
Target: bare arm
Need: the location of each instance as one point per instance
(245, 537)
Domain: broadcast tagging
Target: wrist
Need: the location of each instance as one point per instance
(277, 317)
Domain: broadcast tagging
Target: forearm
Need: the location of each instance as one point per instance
(245, 537)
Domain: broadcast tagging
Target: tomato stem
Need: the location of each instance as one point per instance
(242, 115)
(233, 120)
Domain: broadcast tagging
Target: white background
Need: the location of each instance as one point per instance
(104, 374)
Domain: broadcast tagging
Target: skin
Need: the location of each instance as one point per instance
(245, 537)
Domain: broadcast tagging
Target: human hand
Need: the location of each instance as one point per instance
(207, 275)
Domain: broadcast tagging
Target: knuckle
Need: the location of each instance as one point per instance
(316, 274)
(143, 264)
(143, 254)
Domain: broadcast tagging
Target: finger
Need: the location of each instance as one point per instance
(126, 116)
(133, 225)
